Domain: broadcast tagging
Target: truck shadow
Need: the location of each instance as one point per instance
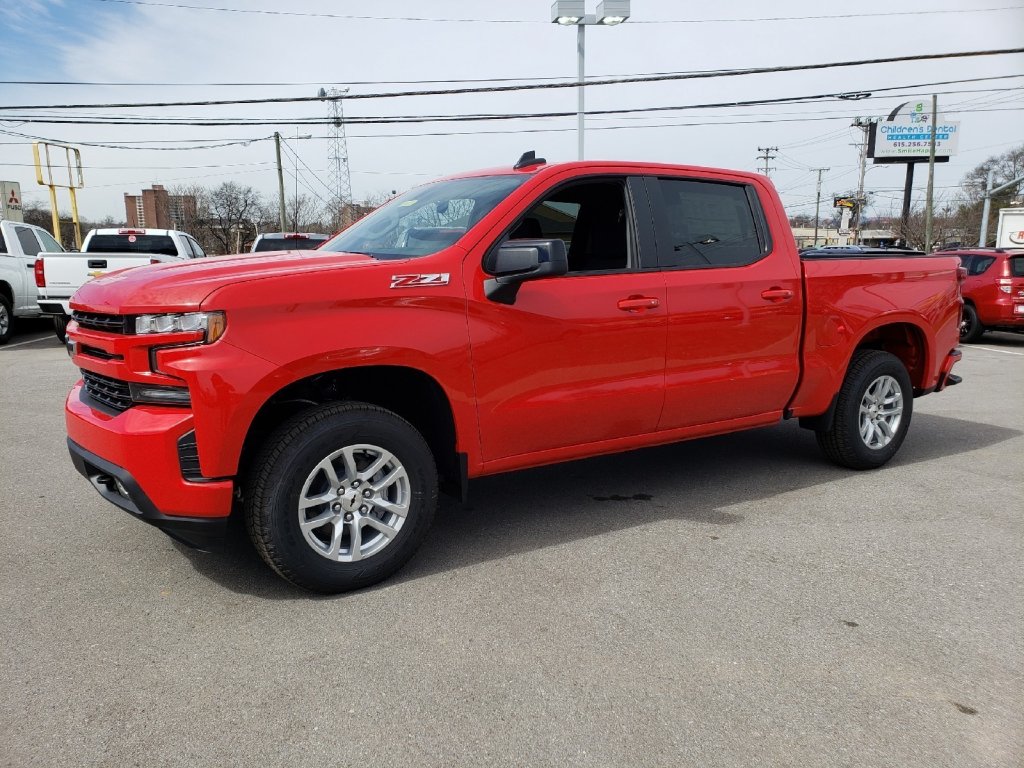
(696, 481)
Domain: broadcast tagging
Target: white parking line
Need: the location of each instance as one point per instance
(23, 343)
(1004, 351)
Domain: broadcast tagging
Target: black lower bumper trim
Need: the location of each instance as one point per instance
(199, 532)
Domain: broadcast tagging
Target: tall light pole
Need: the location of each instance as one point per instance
(572, 13)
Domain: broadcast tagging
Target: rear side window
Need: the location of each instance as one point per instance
(1017, 266)
(3, 245)
(976, 265)
(161, 244)
(28, 241)
(710, 224)
(49, 244)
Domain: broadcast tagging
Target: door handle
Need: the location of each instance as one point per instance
(777, 294)
(637, 303)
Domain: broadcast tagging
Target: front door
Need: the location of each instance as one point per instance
(578, 358)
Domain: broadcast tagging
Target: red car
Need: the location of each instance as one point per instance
(488, 322)
(993, 291)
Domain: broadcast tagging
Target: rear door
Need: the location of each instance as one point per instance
(24, 287)
(734, 302)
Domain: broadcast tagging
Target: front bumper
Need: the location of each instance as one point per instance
(139, 449)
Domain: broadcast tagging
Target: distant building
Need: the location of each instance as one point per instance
(157, 209)
(804, 237)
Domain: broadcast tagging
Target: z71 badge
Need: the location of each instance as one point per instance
(415, 281)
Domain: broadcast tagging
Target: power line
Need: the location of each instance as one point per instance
(412, 120)
(534, 86)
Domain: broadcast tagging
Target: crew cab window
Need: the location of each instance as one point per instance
(710, 224)
(197, 252)
(976, 265)
(591, 217)
(425, 220)
(28, 241)
(49, 244)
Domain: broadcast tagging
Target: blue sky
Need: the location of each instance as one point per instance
(112, 41)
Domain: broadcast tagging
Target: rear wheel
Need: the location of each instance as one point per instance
(341, 497)
(6, 319)
(872, 412)
(60, 326)
(971, 328)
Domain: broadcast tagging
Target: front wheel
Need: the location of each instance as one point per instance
(341, 497)
(872, 412)
(971, 328)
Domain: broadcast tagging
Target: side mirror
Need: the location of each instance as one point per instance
(517, 261)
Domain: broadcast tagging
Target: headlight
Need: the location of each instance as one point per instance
(210, 324)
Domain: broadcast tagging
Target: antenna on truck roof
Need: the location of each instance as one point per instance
(527, 159)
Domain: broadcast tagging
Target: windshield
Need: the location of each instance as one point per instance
(288, 243)
(426, 219)
(161, 244)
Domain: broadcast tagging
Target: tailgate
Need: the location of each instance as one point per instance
(65, 273)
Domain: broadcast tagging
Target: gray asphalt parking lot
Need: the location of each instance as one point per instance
(735, 601)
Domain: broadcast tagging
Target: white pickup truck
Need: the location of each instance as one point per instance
(20, 244)
(59, 275)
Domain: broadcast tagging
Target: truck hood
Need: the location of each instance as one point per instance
(182, 286)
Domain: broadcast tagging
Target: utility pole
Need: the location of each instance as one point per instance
(280, 182)
(987, 206)
(817, 205)
(864, 123)
(929, 198)
(766, 157)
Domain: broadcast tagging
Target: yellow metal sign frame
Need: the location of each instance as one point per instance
(72, 163)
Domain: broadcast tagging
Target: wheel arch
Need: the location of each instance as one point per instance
(408, 392)
(905, 340)
(7, 291)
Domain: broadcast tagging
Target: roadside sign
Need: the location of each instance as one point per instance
(10, 194)
(905, 136)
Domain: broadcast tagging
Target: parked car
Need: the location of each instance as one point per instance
(288, 241)
(58, 276)
(487, 322)
(993, 291)
(19, 246)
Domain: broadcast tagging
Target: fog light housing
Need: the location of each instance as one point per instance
(158, 394)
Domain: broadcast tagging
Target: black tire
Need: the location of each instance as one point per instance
(290, 467)
(971, 328)
(844, 443)
(60, 327)
(6, 319)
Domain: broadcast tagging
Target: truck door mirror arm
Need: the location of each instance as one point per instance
(517, 261)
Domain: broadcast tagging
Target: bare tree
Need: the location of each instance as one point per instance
(1005, 167)
(229, 215)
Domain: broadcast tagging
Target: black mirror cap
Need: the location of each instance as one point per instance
(518, 261)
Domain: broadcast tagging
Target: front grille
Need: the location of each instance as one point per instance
(188, 457)
(95, 321)
(111, 392)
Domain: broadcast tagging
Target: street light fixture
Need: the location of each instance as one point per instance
(572, 13)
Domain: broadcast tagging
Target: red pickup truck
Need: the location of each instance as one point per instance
(483, 323)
